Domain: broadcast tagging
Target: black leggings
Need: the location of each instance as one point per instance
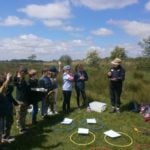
(66, 101)
(83, 94)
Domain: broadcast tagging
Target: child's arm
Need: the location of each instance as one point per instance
(5, 84)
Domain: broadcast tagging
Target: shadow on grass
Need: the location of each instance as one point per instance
(36, 137)
(131, 106)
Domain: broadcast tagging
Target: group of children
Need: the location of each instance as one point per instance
(30, 90)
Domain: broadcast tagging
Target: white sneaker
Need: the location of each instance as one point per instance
(55, 112)
(50, 113)
(8, 140)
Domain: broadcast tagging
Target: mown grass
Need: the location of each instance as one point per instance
(49, 134)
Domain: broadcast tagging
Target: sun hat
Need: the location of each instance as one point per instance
(118, 60)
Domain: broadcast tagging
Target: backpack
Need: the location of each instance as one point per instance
(145, 111)
(134, 107)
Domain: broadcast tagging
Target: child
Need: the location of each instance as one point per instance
(33, 95)
(53, 72)
(6, 109)
(22, 91)
(67, 88)
(45, 82)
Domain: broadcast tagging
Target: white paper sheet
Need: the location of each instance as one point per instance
(39, 89)
(91, 120)
(112, 134)
(67, 121)
(83, 131)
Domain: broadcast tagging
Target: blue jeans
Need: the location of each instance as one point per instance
(34, 112)
(44, 107)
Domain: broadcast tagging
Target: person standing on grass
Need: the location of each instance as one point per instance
(67, 86)
(6, 109)
(22, 91)
(80, 77)
(33, 95)
(45, 82)
(53, 77)
(116, 77)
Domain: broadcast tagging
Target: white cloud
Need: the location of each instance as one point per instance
(53, 23)
(102, 32)
(15, 21)
(71, 28)
(46, 49)
(53, 15)
(134, 28)
(147, 6)
(57, 10)
(103, 4)
(23, 46)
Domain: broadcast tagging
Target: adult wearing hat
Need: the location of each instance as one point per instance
(116, 77)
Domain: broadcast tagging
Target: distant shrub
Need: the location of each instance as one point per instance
(92, 58)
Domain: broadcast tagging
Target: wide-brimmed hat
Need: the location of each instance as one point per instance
(67, 67)
(116, 61)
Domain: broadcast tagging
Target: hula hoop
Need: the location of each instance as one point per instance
(82, 144)
(127, 145)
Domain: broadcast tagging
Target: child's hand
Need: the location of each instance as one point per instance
(8, 76)
(82, 78)
(113, 79)
(109, 74)
(70, 77)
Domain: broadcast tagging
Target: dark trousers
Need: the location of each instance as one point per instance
(66, 101)
(115, 94)
(83, 94)
(6, 124)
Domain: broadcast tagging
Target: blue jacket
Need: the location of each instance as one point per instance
(46, 83)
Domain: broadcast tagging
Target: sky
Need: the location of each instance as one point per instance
(52, 28)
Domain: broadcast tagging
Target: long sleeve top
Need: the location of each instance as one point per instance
(67, 82)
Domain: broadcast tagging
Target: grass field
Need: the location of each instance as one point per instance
(50, 134)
